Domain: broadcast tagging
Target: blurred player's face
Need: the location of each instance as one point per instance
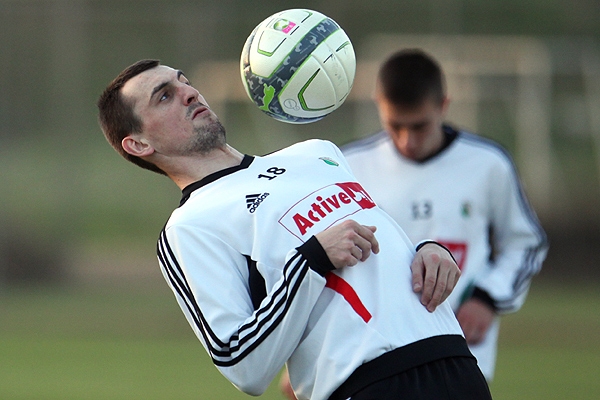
(416, 131)
(176, 120)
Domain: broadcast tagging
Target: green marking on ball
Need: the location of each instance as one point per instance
(269, 95)
(269, 53)
(303, 104)
(347, 43)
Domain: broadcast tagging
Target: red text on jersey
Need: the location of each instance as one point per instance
(324, 207)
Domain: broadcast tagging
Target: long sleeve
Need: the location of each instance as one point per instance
(519, 243)
(209, 279)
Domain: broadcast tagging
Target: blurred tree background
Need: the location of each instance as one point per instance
(73, 211)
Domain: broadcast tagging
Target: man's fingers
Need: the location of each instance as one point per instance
(417, 268)
(429, 284)
(455, 278)
(366, 240)
(440, 291)
(363, 242)
(372, 239)
(358, 254)
(348, 243)
(430, 266)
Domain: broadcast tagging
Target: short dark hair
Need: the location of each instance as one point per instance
(116, 116)
(411, 76)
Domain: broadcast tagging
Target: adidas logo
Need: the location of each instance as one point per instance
(254, 200)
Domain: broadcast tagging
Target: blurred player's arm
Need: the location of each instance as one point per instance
(519, 245)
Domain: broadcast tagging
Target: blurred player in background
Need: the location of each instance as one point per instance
(453, 186)
(274, 259)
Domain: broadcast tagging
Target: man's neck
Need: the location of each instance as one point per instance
(197, 167)
(447, 137)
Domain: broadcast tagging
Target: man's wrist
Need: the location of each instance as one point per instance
(423, 243)
(316, 256)
(485, 298)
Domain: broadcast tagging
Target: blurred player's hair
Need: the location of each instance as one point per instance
(410, 77)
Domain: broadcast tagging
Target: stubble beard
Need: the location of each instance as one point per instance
(208, 138)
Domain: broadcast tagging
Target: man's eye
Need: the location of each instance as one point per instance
(163, 97)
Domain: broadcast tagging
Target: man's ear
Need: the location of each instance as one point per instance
(136, 146)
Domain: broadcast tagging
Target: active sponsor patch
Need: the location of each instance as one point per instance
(324, 207)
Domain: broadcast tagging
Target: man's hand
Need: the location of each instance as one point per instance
(286, 387)
(348, 243)
(434, 275)
(475, 318)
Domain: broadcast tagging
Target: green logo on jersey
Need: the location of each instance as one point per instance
(329, 161)
(466, 209)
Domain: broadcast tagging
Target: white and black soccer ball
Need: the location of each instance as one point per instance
(298, 66)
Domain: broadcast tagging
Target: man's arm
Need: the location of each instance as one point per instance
(519, 247)
(250, 346)
(519, 244)
(210, 282)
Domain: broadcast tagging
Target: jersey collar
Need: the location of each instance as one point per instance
(187, 191)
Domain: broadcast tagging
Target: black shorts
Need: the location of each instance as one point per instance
(456, 378)
(449, 378)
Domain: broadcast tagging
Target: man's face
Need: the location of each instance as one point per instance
(416, 131)
(176, 119)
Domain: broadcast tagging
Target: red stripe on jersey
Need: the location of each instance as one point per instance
(342, 287)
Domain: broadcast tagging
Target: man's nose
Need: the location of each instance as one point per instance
(408, 141)
(404, 135)
(190, 95)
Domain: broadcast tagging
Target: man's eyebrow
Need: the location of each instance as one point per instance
(180, 74)
(160, 86)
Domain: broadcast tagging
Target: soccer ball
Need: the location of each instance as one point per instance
(298, 66)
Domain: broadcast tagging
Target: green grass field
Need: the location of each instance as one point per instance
(108, 343)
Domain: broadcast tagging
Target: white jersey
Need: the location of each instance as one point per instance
(457, 197)
(258, 290)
